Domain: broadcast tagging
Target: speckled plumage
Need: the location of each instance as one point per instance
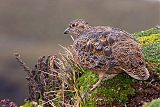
(107, 50)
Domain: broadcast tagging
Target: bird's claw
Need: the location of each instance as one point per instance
(93, 87)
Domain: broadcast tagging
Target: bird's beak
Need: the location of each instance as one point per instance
(66, 31)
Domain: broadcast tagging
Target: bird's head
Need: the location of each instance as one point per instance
(77, 27)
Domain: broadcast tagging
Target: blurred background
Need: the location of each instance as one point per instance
(35, 28)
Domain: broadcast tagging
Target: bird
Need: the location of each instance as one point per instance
(106, 50)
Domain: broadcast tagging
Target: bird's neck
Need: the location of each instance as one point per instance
(86, 29)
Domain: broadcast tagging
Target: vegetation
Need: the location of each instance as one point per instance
(73, 82)
(150, 42)
(155, 30)
(154, 103)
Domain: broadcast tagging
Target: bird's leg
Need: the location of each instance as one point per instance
(109, 76)
(101, 77)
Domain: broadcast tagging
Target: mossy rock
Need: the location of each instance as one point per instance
(117, 89)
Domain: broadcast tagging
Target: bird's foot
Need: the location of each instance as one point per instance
(88, 91)
(96, 85)
(101, 77)
(85, 95)
(93, 87)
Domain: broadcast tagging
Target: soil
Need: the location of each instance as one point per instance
(146, 91)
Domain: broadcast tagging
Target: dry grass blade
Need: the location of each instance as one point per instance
(22, 63)
(72, 37)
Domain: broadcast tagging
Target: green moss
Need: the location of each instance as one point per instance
(148, 32)
(117, 89)
(90, 103)
(84, 83)
(153, 103)
(150, 42)
(87, 79)
(152, 53)
(29, 104)
(33, 104)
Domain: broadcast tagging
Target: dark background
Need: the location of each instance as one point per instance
(35, 28)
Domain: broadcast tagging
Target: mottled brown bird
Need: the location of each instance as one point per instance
(106, 50)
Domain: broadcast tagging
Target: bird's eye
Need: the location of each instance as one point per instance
(73, 25)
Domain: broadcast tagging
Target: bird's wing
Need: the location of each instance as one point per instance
(94, 50)
(122, 33)
(131, 59)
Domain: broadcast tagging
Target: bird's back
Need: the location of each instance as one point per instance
(108, 49)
